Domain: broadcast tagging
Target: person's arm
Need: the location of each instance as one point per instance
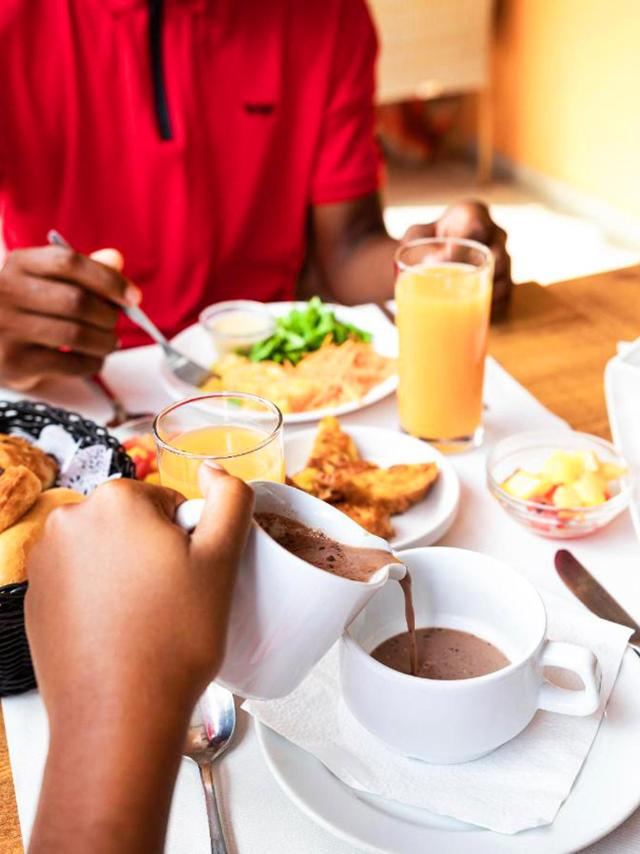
(354, 253)
(350, 249)
(58, 312)
(126, 618)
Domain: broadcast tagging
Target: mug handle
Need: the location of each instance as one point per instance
(188, 514)
(580, 661)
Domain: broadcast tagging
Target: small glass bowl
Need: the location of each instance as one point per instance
(530, 451)
(224, 321)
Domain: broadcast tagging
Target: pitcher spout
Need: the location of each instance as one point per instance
(395, 571)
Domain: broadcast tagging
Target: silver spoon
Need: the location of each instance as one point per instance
(205, 743)
(184, 368)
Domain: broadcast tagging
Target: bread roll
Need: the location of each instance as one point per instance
(16, 451)
(19, 489)
(16, 541)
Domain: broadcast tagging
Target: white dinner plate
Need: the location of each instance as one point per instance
(196, 343)
(428, 520)
(605, 794)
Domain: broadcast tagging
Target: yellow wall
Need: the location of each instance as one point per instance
(567, 82)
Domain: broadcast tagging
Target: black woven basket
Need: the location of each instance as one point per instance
(16, 670)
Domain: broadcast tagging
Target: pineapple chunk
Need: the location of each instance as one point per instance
(609, 471)
(591, 489)
(563, 467)
(525, 485)
(590, 460)
(565, 497)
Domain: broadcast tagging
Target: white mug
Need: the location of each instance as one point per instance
(285, 613)
(460, 720)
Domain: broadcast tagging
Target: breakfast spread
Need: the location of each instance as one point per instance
(335, 472)
(318, 549)
(312, 361)
(567, 480)
(441, 654)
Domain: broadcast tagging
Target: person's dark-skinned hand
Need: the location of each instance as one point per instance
(352, 256)
(126, 617)
(472, 221)
(58, 311)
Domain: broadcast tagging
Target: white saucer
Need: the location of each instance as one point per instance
(195, 342)
(605, 794)
(428, 520)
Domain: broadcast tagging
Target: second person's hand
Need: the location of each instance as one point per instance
(58, 312)
(471, 220)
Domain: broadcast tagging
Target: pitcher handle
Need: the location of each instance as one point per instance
(188, 514)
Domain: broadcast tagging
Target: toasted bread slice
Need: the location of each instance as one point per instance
(395, 488)
(376, 520)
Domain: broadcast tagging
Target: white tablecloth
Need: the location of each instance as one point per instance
(258, 817)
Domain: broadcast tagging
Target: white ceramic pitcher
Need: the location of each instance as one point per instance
(286, 613)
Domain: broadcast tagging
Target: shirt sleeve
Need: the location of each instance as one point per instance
(347, 162)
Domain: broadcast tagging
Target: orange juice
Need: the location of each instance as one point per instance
(443, 319)
(240, 450)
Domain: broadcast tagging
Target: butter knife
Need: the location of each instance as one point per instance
(592, 594)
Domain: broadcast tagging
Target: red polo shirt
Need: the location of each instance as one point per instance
(194, 139)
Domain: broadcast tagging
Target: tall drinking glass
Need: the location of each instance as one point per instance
(443, 303)
(240, 432)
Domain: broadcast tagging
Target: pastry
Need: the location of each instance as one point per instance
(335, 472)
(16, 541)
(15, 451)
(19, 489)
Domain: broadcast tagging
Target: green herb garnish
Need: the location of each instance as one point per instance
(302, 331)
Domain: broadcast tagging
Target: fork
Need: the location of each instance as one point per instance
(185, 369)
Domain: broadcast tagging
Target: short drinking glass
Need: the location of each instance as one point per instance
(240, 432)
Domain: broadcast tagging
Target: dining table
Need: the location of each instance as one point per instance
(555, 341)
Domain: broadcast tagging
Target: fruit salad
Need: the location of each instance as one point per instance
(142, 450)
(568, 480)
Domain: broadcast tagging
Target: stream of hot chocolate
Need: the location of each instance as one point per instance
(410, 616)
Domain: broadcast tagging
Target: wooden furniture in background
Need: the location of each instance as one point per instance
(430, 48)
(555, 341)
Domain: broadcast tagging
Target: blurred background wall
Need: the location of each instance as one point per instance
(567, 93)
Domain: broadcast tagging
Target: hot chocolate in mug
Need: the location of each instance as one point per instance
(457, 720)
(286, 613)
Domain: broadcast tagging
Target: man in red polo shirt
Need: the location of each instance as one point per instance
(216, 143)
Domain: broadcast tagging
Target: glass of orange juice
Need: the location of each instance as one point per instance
(443, 304)
(240, 432)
